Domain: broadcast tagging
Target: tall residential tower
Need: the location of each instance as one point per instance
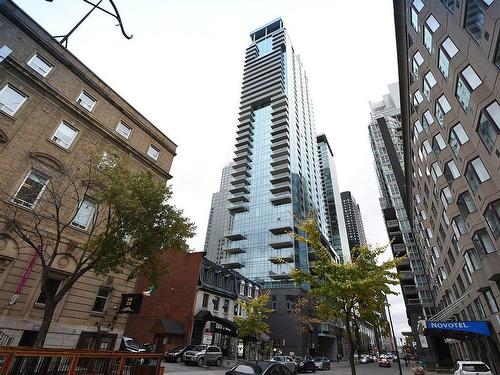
(353, 220)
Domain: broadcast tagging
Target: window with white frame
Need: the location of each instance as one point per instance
(492, 216)
(466, 204)
(40, 65)
(442, 108)
(467, 81)
(85, 215)
(417, 126)
(427, 121)
(416, 61)
(30, 190)
(417, 198)
(86, 101)
(429, 83)
(458, 137)
(446, 197)
(417, 98)
(438, 143)
(490, 299)
(472, 260)
(153, 152)
(489, 125)
(416, 7)
(476, 173)
(101, 300)
(11, 99)
(436, 171)
(123, 129)
(431, 25)
(447, 50)
(64, 135)
(482, 242)
(427, 147)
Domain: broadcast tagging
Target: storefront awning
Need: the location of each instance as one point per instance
(169, 327)
(457, 330)
(205, 315)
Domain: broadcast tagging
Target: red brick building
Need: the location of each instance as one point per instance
(166, 317)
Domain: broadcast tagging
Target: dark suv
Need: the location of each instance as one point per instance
(175, 355)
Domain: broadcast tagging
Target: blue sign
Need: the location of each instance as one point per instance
(480, 328)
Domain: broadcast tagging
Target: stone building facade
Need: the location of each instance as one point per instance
(54, 111)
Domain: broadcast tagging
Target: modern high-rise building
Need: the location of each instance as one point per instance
(331, 196)
(449, 61)
(353, 220)
(275, 179)
(386, 139)
(219, 219)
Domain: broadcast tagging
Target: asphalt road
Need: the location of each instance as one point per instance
(337, 369)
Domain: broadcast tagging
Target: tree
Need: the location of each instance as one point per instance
(254, 322)
(130, 225)
(350, 291)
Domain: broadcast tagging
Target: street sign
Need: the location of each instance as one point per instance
(130, 303)
(207, 338)
(423, 341)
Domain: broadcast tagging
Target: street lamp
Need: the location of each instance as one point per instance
(394, 337)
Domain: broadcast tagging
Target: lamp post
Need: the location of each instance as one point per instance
(394, 337)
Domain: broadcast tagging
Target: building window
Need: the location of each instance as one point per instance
(451, 171)
(215, 302)
(472, 260)
(427, 121)
(492, 216)
(490, 299)
(489, 125)
(204, 302)
(11, 100)
(438, 143)
(101, 299)
(482, 242)
(429, 83)
(52, 285)
(274, 303)
(242, 288)
(461, 284)
(65, 135)
(480, 308)
(124, 130)
(431, 25)
(447, 50)
(209, 277)
(414, 19)
(40, 65)
(476, 173)
(225, 307)
(474, 17)
(471, 313)
(264, 46)
(468, 81)
(417, 98)
(458, 225)
(249, 291)
(107, 161)
(450, 4)
(30, 190)
(497, 55)
(442, 108)
(85, 215)
(436, 171)
(466, 204)
(458, 137)
(288, 303)
(153, 152)
(218, 280)
(416, 62)
(86, 101)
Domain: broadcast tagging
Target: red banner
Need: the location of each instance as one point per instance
(25, 277)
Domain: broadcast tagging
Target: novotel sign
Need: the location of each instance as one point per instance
(480, 328)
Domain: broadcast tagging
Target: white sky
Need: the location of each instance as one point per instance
(183, 69)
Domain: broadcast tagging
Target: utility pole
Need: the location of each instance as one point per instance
(394, 337)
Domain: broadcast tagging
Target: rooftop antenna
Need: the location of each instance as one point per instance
(64, 38)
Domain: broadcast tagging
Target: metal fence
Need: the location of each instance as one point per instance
(20, 361)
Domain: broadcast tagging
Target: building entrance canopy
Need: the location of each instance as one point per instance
(456, 329)
(229, 329)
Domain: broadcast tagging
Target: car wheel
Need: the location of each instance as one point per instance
(178, 360)
(218, 362)
(201, 361)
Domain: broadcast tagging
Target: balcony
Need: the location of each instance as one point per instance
(281, 229)
(409, 289)
(279, 276)
(234, 250)
(242, 157)
(281, 259)
(237, 208)
(280, 137)
(245, 142)
(406, 275)
(240, 173)
(240, 188)
(279, 145)
(283, 160)
(281, 243)
(238, 198)
(281, 188)
(280, 169)
(234, 236)
(392, 224)
(280, 153)
(242, 134)
(239, 180)
(278, 179)
(281, 199)
(413, 301)
(283, 128)
(233, 265)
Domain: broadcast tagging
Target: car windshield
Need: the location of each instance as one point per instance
(132, 342)
(257, 367)
(318, 359)
(199, 348)
(475, 367)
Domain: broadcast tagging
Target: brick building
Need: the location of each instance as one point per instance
(54, 110)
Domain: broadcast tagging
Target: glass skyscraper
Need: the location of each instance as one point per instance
(276, 178)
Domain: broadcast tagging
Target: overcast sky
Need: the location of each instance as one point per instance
(183, 70)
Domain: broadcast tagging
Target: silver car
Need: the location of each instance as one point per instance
(203, 354)
(472, 368)
(287, 361)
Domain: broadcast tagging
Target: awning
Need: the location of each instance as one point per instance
(169, 327)
(205, 315)
(457, 330)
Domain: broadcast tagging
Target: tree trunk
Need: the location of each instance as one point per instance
(48, 314)
(350, 342)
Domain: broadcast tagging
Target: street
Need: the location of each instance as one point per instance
(337, 369)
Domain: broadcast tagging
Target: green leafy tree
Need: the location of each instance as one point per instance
(351, 291)
(132, 225)
(254, 321)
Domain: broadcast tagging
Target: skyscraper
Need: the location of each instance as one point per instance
(449, 61)
(275, 180)
(353, 220)
(219, 219)
(333, 202)
(385, 132)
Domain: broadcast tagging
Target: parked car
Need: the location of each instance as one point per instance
(131, 345)
(286, 361)
(305, 364)
(260, 367)
(322, 363)
(175, 355)
(364, 359)
(472, 368)
(197, 355)
(384, 361)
